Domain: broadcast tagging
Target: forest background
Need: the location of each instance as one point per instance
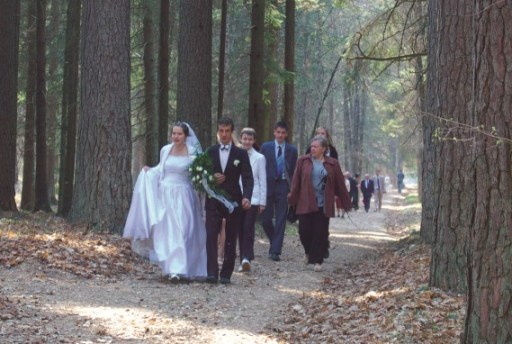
(89, 88)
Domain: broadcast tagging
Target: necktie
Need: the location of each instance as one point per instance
(378, 182)
(224, 147)
(280, 162)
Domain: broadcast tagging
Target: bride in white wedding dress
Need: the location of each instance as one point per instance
(165, 219)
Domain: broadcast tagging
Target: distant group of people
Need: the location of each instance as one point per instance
(166, 222)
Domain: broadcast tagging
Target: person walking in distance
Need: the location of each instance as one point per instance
(379, 185)
(281, 158)
(230, 165)
(367, 191)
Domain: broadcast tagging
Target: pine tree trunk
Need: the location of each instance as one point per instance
(69, 107)
(52, 98)
(455, 203)
(103, 183)
(9, 27)
(488, 314)
(222, 57)
(195, 67)
(151, 135)
(256, 68)
(289, 66)
(28, 189)
(163, 73)
(41, 201)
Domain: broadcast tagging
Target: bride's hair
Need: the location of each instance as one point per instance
(183, 126)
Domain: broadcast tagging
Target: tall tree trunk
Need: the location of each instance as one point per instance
(163, 73)
(52, 97)
(69, 107)
(27, 193)
(103, 181)
(488, 314)
(347, 127)
(455, 204)
(270, 85)
(195, 67)
(9, 47)
(430, 158)
(222, 57)
(256, 69)
(151, 136)
(41, 201)
(289, 66)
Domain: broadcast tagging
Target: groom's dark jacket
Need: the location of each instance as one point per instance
(238, 167)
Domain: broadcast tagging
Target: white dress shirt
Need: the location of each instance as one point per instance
(224, 155)
(259, 174)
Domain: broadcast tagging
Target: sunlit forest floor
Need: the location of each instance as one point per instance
(62, 283)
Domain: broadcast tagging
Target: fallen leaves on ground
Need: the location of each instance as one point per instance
(386, 300)
(53, 242)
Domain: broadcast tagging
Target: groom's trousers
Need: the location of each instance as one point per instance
(213, 227)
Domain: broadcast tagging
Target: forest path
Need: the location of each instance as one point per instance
(56, 306)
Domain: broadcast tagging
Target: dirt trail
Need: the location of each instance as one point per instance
(59, 307)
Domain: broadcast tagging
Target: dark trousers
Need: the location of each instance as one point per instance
(366, 200)
(246, 233)
(213, 227)
(355, 200)
(313, 232)
(278, 199)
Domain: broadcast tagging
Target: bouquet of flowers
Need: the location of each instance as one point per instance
(201, 176)
(202, 167)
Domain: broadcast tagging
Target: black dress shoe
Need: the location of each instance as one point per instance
(211, 280)
(326, 254)
(225, 280)
(275, 257)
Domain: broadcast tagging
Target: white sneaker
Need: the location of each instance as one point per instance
(306, 259)
(246, 265)
(318, 267)
(240, 268)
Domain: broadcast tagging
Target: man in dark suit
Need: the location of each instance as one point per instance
(367, 190)
(281, 158)
(230, 164)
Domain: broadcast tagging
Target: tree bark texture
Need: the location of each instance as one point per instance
(489, 311)
(9, 47)
(52, 96)
(27, 191)
(256, 68)
(195, 67)
(289, 66)
(103, 183)
(430, 159)
(222, 57)
(163, 73)
(455, 204)
(69, 107)
(41, 201)
(271, 78)
(151, 136)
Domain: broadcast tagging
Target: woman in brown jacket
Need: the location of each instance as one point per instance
(317, 178)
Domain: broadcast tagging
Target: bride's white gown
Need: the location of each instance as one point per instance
(165, 219)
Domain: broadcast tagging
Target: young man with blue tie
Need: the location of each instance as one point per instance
(281, 158)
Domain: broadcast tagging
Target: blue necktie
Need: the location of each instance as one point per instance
(280, 162)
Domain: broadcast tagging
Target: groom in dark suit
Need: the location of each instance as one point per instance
(230, 164)
(281, 158)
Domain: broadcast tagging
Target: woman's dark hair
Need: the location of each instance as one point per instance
(183, 126)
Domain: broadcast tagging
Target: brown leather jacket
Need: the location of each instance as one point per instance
(302, 194)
